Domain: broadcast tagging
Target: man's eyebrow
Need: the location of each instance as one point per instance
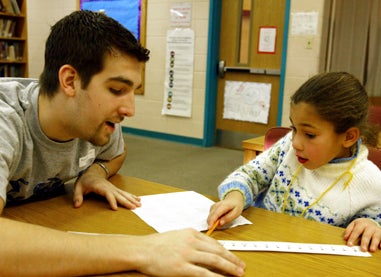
(128, 82)
(123, 80)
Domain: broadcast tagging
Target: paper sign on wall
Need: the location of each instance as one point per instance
(179, 73)
(181, 14)
(247, 101)
(304, 23)
(267, 40)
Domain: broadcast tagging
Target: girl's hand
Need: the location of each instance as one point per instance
(226, 210)
(366, 230)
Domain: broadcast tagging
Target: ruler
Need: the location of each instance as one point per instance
(274, 246)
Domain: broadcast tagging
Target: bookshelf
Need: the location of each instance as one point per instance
(13, 39)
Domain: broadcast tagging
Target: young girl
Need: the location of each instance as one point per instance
(320, 170)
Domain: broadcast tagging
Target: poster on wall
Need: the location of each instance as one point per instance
(267, 39)
(247, 101)
(179, 73)
(181, 14)
(304, 23)
(126, 12)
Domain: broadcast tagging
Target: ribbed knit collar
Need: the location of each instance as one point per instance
(356, 148)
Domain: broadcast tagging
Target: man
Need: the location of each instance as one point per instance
(67, 126)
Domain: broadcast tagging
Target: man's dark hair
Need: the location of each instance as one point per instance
(83, 39)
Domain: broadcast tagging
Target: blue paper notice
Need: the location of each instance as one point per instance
(126, 12)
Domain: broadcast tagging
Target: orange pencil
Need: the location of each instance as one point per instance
(210, 231)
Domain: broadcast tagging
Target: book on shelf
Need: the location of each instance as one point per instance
(2, 6)
(12, 29)
(11, 51)
(15, 7)
(7, 70)
(10, 6)
(7, 27)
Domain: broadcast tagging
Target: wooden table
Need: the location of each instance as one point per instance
(252, 147)
(95, 216)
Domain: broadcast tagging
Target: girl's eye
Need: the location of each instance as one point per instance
(310, 136)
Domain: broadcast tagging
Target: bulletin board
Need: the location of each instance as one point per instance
(130, 13)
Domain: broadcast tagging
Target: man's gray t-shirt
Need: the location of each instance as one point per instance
(31, 163)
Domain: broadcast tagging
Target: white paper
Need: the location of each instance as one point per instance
(267, 40)
(181, 14)
(178, 210)
(304, 23)
(247, 101)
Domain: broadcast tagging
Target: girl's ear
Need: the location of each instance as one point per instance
(351, 137)
(67, 76)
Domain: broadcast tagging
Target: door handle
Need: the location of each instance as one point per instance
(264, 71)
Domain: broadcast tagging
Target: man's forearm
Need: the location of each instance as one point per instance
(31, 250)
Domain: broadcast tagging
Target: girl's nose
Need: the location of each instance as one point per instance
(296, 142)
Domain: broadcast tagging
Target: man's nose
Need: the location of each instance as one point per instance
(127, 107)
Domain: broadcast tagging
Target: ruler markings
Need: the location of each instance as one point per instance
(331, 249)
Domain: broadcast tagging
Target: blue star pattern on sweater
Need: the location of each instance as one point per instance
(266, 182)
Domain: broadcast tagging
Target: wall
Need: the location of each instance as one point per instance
(41, 15)
(148, 107)
(301, 62)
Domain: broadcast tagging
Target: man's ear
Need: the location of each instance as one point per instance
(351, 136)
(67, 76)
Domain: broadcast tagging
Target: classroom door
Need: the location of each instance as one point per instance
(251, 41)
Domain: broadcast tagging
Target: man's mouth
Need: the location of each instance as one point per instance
(110, 124)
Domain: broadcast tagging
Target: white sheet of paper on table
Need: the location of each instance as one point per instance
(178, 210)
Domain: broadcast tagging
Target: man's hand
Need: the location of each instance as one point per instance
(93, 181)
(185, 253)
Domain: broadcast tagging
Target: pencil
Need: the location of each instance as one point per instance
(210, 231)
